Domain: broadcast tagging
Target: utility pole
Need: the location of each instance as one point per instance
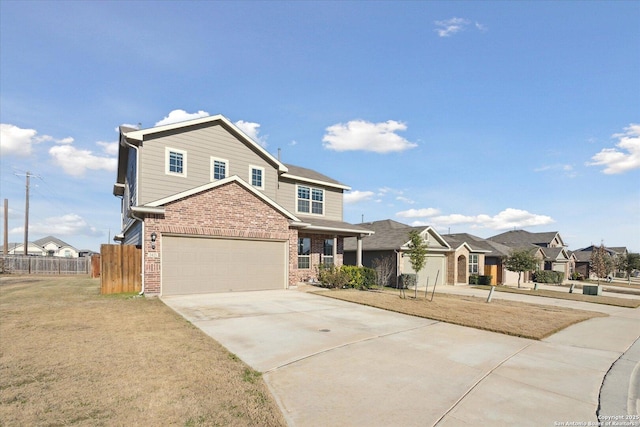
(5, 248)
(26, 217)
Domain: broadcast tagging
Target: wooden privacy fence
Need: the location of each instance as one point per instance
(120, 269)
(21, 264)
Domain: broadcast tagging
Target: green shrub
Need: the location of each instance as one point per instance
(332, 276)
(484, 280)
(576, 276)
(473, 279)
(359, 277)
(548, 276)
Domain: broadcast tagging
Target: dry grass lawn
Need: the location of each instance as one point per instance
(607, 300)
(69, 356)
(507, 317)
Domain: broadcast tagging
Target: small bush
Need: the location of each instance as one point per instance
(473, 279)
(576, 276)
(548, 276)
(332, 276)
(484, 280)
(360, 277)
(407, 281)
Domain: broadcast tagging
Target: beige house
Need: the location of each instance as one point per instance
(47, 246)
(213, 211)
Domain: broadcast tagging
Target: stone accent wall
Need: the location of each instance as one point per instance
(226, 211)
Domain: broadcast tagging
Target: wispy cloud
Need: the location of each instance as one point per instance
(625, 157)
(367, 136)
(358, 196)
(508, 218)
(75, 162)
(449, 27)
(65, 225)
(418, 213)
(566, 169)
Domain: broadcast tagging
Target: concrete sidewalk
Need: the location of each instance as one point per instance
(329, 362)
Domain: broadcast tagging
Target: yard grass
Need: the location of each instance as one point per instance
(596, 299)
(506, 317)
(71, 356)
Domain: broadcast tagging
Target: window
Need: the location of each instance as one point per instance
(327, 252)
(310, 200)
(176, 162)
(473, 263)
(256, 176)
(304, 252)
(219, 168)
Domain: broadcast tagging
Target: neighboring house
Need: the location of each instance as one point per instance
(553, 254)
(213, 211)
(391, 239)
(47, 246)
(485, 258)
(583, 258)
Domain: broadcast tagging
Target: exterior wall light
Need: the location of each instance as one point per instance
(154, 236)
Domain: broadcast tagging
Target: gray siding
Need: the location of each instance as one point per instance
(134, 235)
(200, 144)
(332, 200)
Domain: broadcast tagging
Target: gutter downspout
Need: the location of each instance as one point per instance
(133, 214)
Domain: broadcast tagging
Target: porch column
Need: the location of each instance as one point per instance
(359, 250)
(335, 250)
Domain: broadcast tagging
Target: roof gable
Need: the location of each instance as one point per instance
(193, 191)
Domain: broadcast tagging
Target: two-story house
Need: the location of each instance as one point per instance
(213, 211)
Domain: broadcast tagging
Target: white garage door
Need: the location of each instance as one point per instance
(193, 265)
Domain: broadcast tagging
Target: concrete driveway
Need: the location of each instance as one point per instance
(329, 362)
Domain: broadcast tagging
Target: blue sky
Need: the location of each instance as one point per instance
(475, 117)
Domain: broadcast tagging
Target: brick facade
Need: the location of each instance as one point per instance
(226, 211)
(317, 249)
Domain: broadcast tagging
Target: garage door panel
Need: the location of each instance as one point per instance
(201, 265)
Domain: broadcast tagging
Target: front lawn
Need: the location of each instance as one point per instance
(596, 299)
(69, 356)
(507, 317)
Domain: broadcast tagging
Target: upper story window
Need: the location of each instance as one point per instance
(219, 168)
(256, 176)
(175, 162)
(310, 200)
(473, 264)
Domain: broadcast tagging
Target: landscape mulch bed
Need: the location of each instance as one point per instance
(69, 356)
(507, 317)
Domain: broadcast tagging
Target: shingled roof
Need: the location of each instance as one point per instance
(477, 244)
(522, 238)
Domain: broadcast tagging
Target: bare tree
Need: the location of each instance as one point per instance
(384, 267)
(601, 262)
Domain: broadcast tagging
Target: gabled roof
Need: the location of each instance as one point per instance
(329, 226)
(298, 173)
(137, 136)
(556, 254)
(54, 240)
(475, 243)
(521, 238)
(390, 235)
(157, 205)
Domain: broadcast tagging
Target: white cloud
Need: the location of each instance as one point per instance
(252, 130)
(75, 162)
(567, 170)
(508, 218)
(449, 27)
(405, 200)
(110, 148)
(367, 136)
(65, 225)
(418, 213)
(176, 116)
(358, 196)
(20, 142)
(624, 158)
(16, 141)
